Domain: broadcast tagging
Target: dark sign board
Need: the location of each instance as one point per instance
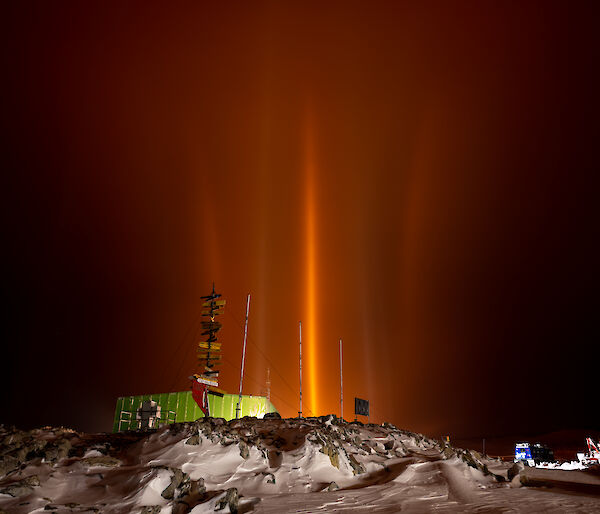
(361, 407)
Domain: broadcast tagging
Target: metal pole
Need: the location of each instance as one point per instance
(239, 405)
(300, 331)
(269, 384)
(341, 385)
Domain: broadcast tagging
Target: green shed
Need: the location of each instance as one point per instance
(153, 410)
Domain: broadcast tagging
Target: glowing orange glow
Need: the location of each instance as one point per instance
(311, 273)
(410, 179)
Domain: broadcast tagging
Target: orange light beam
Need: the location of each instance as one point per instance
(311, 274)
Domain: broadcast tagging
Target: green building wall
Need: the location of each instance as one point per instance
(180, 406)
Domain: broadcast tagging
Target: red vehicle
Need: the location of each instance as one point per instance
(592, 456)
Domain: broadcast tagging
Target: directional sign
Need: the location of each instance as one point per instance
(207, 381)
(209, 345)
(207, 353)
(361, 407)
(214, 303)
(211, 313)
(211, 325)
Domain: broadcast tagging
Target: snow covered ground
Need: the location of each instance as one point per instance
(272, 466)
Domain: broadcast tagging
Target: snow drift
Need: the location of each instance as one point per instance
(269, 465)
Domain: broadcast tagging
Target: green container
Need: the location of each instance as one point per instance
(180, 406)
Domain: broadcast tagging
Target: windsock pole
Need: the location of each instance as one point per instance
(300, 332)
(239, 405)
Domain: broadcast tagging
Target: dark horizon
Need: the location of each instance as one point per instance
(414, 179)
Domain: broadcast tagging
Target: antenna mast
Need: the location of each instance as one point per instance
(300, 331)
(239, 404)
(341, 385)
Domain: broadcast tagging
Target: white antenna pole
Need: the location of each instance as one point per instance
(300, 328)
(269, 384)
(239, 405)
(341, 385)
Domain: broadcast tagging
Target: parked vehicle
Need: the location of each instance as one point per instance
(533, 454)
(592, 456)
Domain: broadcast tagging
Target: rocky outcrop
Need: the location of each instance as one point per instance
(231, 500)
(104, 461)
(272, 415)
(151, 509)
(357, 467)
(514, 470)
(179, 478)
(276, 453)
(22, 487)
(328, 445)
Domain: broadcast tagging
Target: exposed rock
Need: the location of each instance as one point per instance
(272, 415)
(104, 460)
(399, 453)
(195, 493)
(328, 447)
(8, 463)
(176, 428)
(179, 477)
(514, 470)
(18, 452)
(366, 447)
(58, 452)
(22, 487)
(533, 482)
(269, 480)
(476, 455)
(230, 499)
(276, 439)
(448, 452)
(151, 509)
(357, 467)
(244, 450)
(194, 440)
(468, 458)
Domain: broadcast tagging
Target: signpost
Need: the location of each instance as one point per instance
(209, 351)
(361, 407)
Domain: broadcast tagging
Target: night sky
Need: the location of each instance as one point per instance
(413, 177)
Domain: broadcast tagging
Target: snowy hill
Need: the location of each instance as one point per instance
(271, 466)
